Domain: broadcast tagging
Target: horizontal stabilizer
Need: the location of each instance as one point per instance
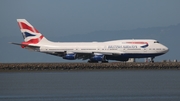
(24, 45)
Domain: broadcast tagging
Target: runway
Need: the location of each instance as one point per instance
(86, 66)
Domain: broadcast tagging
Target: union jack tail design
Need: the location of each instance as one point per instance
(30, 34)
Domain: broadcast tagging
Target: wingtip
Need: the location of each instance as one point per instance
(10, 42)
(14, 43)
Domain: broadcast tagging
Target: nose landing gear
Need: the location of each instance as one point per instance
(152, 59)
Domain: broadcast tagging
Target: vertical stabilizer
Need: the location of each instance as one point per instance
(30, 34)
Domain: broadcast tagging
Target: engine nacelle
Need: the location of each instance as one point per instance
(97, 57)
(70, 56)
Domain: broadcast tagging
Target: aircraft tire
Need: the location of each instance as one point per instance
(92, 61)
(104, 62)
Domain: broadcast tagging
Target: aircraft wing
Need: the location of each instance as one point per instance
(82, 55)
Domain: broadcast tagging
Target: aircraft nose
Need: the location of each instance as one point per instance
(165, 49)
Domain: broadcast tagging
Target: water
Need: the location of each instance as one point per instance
(115, 85)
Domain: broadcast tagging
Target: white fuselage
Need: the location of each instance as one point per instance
(133, 48)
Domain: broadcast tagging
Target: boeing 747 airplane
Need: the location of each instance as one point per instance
(120, 50)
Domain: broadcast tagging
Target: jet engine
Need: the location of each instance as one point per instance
(70, 56)
(97, 57)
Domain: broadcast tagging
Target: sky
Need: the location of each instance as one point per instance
(71, 17)
(64, 17)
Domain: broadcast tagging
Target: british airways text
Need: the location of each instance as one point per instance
(122, 46)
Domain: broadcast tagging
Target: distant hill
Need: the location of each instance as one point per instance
(159, 33)
(168, 36)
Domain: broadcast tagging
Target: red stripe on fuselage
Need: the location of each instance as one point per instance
(25, 26)
(137, 42)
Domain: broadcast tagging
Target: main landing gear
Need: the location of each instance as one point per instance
(91, 61)
(104, 61)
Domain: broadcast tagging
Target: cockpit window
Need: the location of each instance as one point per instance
(156, 41)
